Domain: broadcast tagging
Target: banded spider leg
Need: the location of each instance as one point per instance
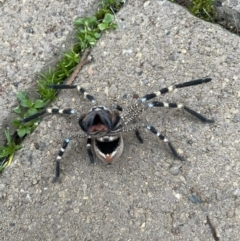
(64, 111)
(143, 104)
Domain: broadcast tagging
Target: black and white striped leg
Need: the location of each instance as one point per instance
(50, 111)
(89, 150)
(79, 88)
(164, 139)
(171, 88)
(59, 157)
(178, 106)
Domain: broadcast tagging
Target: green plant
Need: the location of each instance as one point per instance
(63, 70)
(107, 22)
(108, 6)
(26, 108)
(203, 9)
(8, 150)
(88, 31)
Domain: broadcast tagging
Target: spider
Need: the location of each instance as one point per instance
(104, 126)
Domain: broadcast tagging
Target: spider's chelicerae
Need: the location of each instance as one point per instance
(103, 126)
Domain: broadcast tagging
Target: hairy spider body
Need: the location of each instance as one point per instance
(103, 126)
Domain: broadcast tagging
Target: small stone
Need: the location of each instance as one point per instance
(173, 56)
(58, 34)
(34, 182)
(237, 192)
(143, 225)
(30, 19)
(175, 170)
(146, 4)
(237, 211)
(194, 199)
(29, 30)
(184, 51)
(145, 81)
(113, 90)
(36, 145)
(236, 119)
(135, 96)
(76, 210)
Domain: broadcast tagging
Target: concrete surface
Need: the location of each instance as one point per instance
(33, 34)
(147, 194)
(228, 13)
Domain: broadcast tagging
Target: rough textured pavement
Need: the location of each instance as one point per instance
(33, 34)
(147, 194)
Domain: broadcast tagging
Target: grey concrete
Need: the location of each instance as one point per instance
(147, 194)
(32, 35)
(228, 13)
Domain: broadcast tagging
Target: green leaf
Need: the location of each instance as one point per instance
(8, 137)
(28, 130)
(8, 149)
(102, 26)
(26, 103)
(97, 35)
(38, 104)
(16, 122)
(79, 21)
(22, 131)
(108, 18)
(21, 95)
(18, 110)
(31, 111)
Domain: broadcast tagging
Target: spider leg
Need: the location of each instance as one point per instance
(49, 110)
(178, 106)
(138, 135)
(89, 149)
(79, 88)
(164, 139)
(59, 157)
(171, 88)
(158, 134)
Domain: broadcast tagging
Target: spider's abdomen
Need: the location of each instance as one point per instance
(108, 148)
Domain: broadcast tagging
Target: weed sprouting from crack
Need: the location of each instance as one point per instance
(88, 31)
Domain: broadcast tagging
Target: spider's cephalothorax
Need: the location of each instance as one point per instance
(103, 127)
